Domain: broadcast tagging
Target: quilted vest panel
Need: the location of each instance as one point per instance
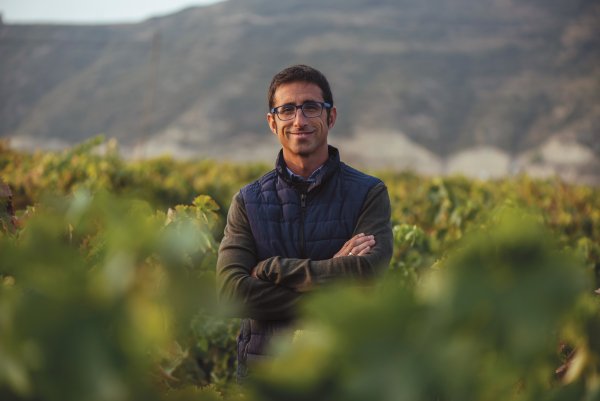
(295, 221)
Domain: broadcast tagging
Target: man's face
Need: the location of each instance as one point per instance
(301, 136)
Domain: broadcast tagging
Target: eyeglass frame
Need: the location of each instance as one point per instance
(324, 106)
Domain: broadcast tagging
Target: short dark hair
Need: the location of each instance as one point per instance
(300, 73)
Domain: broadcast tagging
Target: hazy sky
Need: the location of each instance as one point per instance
(90, 11)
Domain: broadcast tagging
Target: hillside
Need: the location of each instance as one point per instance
(438, 78)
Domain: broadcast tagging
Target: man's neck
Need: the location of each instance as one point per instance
(305, 166)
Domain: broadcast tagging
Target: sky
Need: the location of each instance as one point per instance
(90, 11)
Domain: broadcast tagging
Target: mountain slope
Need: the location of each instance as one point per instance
(444, 74)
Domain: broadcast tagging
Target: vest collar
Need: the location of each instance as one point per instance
(323, 174)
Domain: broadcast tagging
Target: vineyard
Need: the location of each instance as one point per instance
(107, 289)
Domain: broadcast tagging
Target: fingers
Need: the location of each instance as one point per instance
(364, 251)
(362, 245)
(361, 239)
(358, 245)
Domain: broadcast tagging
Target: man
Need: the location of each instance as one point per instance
(310, 221)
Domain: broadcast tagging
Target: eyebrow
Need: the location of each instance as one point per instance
(308, 100)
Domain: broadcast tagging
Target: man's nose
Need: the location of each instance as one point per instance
(299, 118)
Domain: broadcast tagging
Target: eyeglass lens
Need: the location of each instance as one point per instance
(309, 110)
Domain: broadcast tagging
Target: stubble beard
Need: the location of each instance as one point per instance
(297, 150)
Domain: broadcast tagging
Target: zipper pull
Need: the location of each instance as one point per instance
(303, 200)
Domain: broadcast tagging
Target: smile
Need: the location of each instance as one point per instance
(301, 134)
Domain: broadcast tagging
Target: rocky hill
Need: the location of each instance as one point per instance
(417, 84)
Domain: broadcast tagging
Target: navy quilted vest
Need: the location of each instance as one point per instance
(295, 219)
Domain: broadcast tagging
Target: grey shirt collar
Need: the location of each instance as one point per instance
(311, 179)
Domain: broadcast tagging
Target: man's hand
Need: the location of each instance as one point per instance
(358, 245)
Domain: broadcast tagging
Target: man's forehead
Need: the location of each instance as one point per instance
(297, 90)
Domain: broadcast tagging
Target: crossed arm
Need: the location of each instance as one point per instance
(271, 288)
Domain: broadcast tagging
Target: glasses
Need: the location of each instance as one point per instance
(309, 110)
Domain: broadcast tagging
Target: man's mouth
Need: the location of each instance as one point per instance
(301, 134)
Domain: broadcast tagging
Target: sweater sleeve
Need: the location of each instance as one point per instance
(304, 274)
(261, 299)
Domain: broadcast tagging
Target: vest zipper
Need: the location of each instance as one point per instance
(302, 213)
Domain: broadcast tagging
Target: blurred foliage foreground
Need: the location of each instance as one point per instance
(490, 293)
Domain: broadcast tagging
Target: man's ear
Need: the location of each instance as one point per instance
(272, 123)
(332, 117)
